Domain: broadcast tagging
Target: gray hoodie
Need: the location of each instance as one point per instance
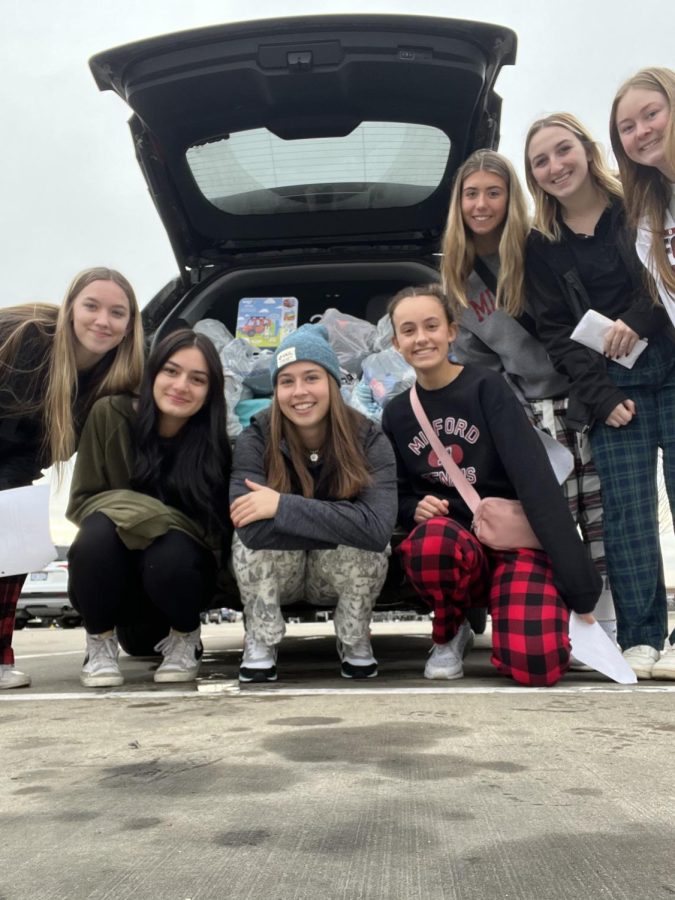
(311, 523)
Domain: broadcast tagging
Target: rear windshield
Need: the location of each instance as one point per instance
(377, 166)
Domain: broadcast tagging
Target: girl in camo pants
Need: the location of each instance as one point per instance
(313, 500)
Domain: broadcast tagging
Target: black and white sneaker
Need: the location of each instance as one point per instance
(182, 652)
(259, 661)
(357, 660)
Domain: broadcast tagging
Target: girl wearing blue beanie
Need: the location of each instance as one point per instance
(314, 502)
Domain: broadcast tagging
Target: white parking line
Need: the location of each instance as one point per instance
(232, 689)
(51, 653)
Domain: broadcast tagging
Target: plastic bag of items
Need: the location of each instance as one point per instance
(352, 339)
(217, 333)
(384, 333)
(385, 374)
(240, 360)
(246, 370)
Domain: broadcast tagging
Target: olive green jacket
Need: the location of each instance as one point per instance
(101, 481)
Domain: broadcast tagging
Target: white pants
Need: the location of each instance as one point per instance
(348, 578)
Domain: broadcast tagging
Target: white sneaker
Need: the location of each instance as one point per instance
(100, 667)
(641, 658)
(445, 660)
(259, 661)
(357, 660)
(182, 652)
(665, 667)
(12, 678)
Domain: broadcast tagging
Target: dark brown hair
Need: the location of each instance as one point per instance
(421, 290)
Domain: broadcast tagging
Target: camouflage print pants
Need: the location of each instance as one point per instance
(348, 578)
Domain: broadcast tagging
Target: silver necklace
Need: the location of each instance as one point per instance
(313, 455)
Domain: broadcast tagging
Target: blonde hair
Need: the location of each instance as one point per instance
(344, 461)
(38, 343)
(648, 191)
(458, 246)
(546, 207)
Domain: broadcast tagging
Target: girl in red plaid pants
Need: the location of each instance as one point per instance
(481, 423)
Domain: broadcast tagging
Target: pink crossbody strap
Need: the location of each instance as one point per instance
(467, 492)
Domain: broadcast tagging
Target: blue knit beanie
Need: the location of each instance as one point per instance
(309, 342)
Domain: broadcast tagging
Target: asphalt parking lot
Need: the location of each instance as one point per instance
(317, 787)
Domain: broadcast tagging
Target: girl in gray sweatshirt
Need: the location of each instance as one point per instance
(313, 501)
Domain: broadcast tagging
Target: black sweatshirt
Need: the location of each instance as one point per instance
(480, 419)
(559, 297)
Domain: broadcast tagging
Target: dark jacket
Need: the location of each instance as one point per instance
(558, 300)
(23, 453)
(21, 417)
(102, 482)
(319, 523)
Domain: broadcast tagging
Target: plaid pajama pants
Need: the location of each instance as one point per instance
(452, 571)
(626, 459)
(582, 487)
(10, 588)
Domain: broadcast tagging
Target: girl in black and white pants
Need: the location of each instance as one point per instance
(314, 503)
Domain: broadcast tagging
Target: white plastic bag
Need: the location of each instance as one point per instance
(351, 338)
(387, 374)
(217, 333)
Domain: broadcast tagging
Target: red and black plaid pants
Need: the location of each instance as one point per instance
(10, 588)
(452, 571)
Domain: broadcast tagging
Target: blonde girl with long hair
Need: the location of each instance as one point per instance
(483, 268)
(54, 363)
(314, 502)
(581, 256)
(642, 131)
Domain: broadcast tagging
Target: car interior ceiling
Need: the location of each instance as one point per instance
(359, 289)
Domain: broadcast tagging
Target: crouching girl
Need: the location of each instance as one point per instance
(149, 493)
(313, 494)
(481, 423)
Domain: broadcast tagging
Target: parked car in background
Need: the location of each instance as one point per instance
(217, 616)
(44, 598)
(309, 158)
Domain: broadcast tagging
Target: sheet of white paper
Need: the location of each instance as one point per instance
(562, 461)
(591, 330)
(25, 541)
(592, 645)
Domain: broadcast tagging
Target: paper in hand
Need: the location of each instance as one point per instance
(591, 330)
(25, 541)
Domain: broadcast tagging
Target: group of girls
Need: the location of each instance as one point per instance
(517, 295)
(314, 489)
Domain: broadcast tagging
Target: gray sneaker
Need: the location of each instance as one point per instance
(182, 652)
(100, 667)
(445, 660)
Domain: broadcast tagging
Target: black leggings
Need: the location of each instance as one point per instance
(108, 583)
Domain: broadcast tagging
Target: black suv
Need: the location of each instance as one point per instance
(306, 157)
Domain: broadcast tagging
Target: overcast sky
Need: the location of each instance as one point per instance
(73, 196)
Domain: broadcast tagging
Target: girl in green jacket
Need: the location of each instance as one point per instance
(149, 493)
